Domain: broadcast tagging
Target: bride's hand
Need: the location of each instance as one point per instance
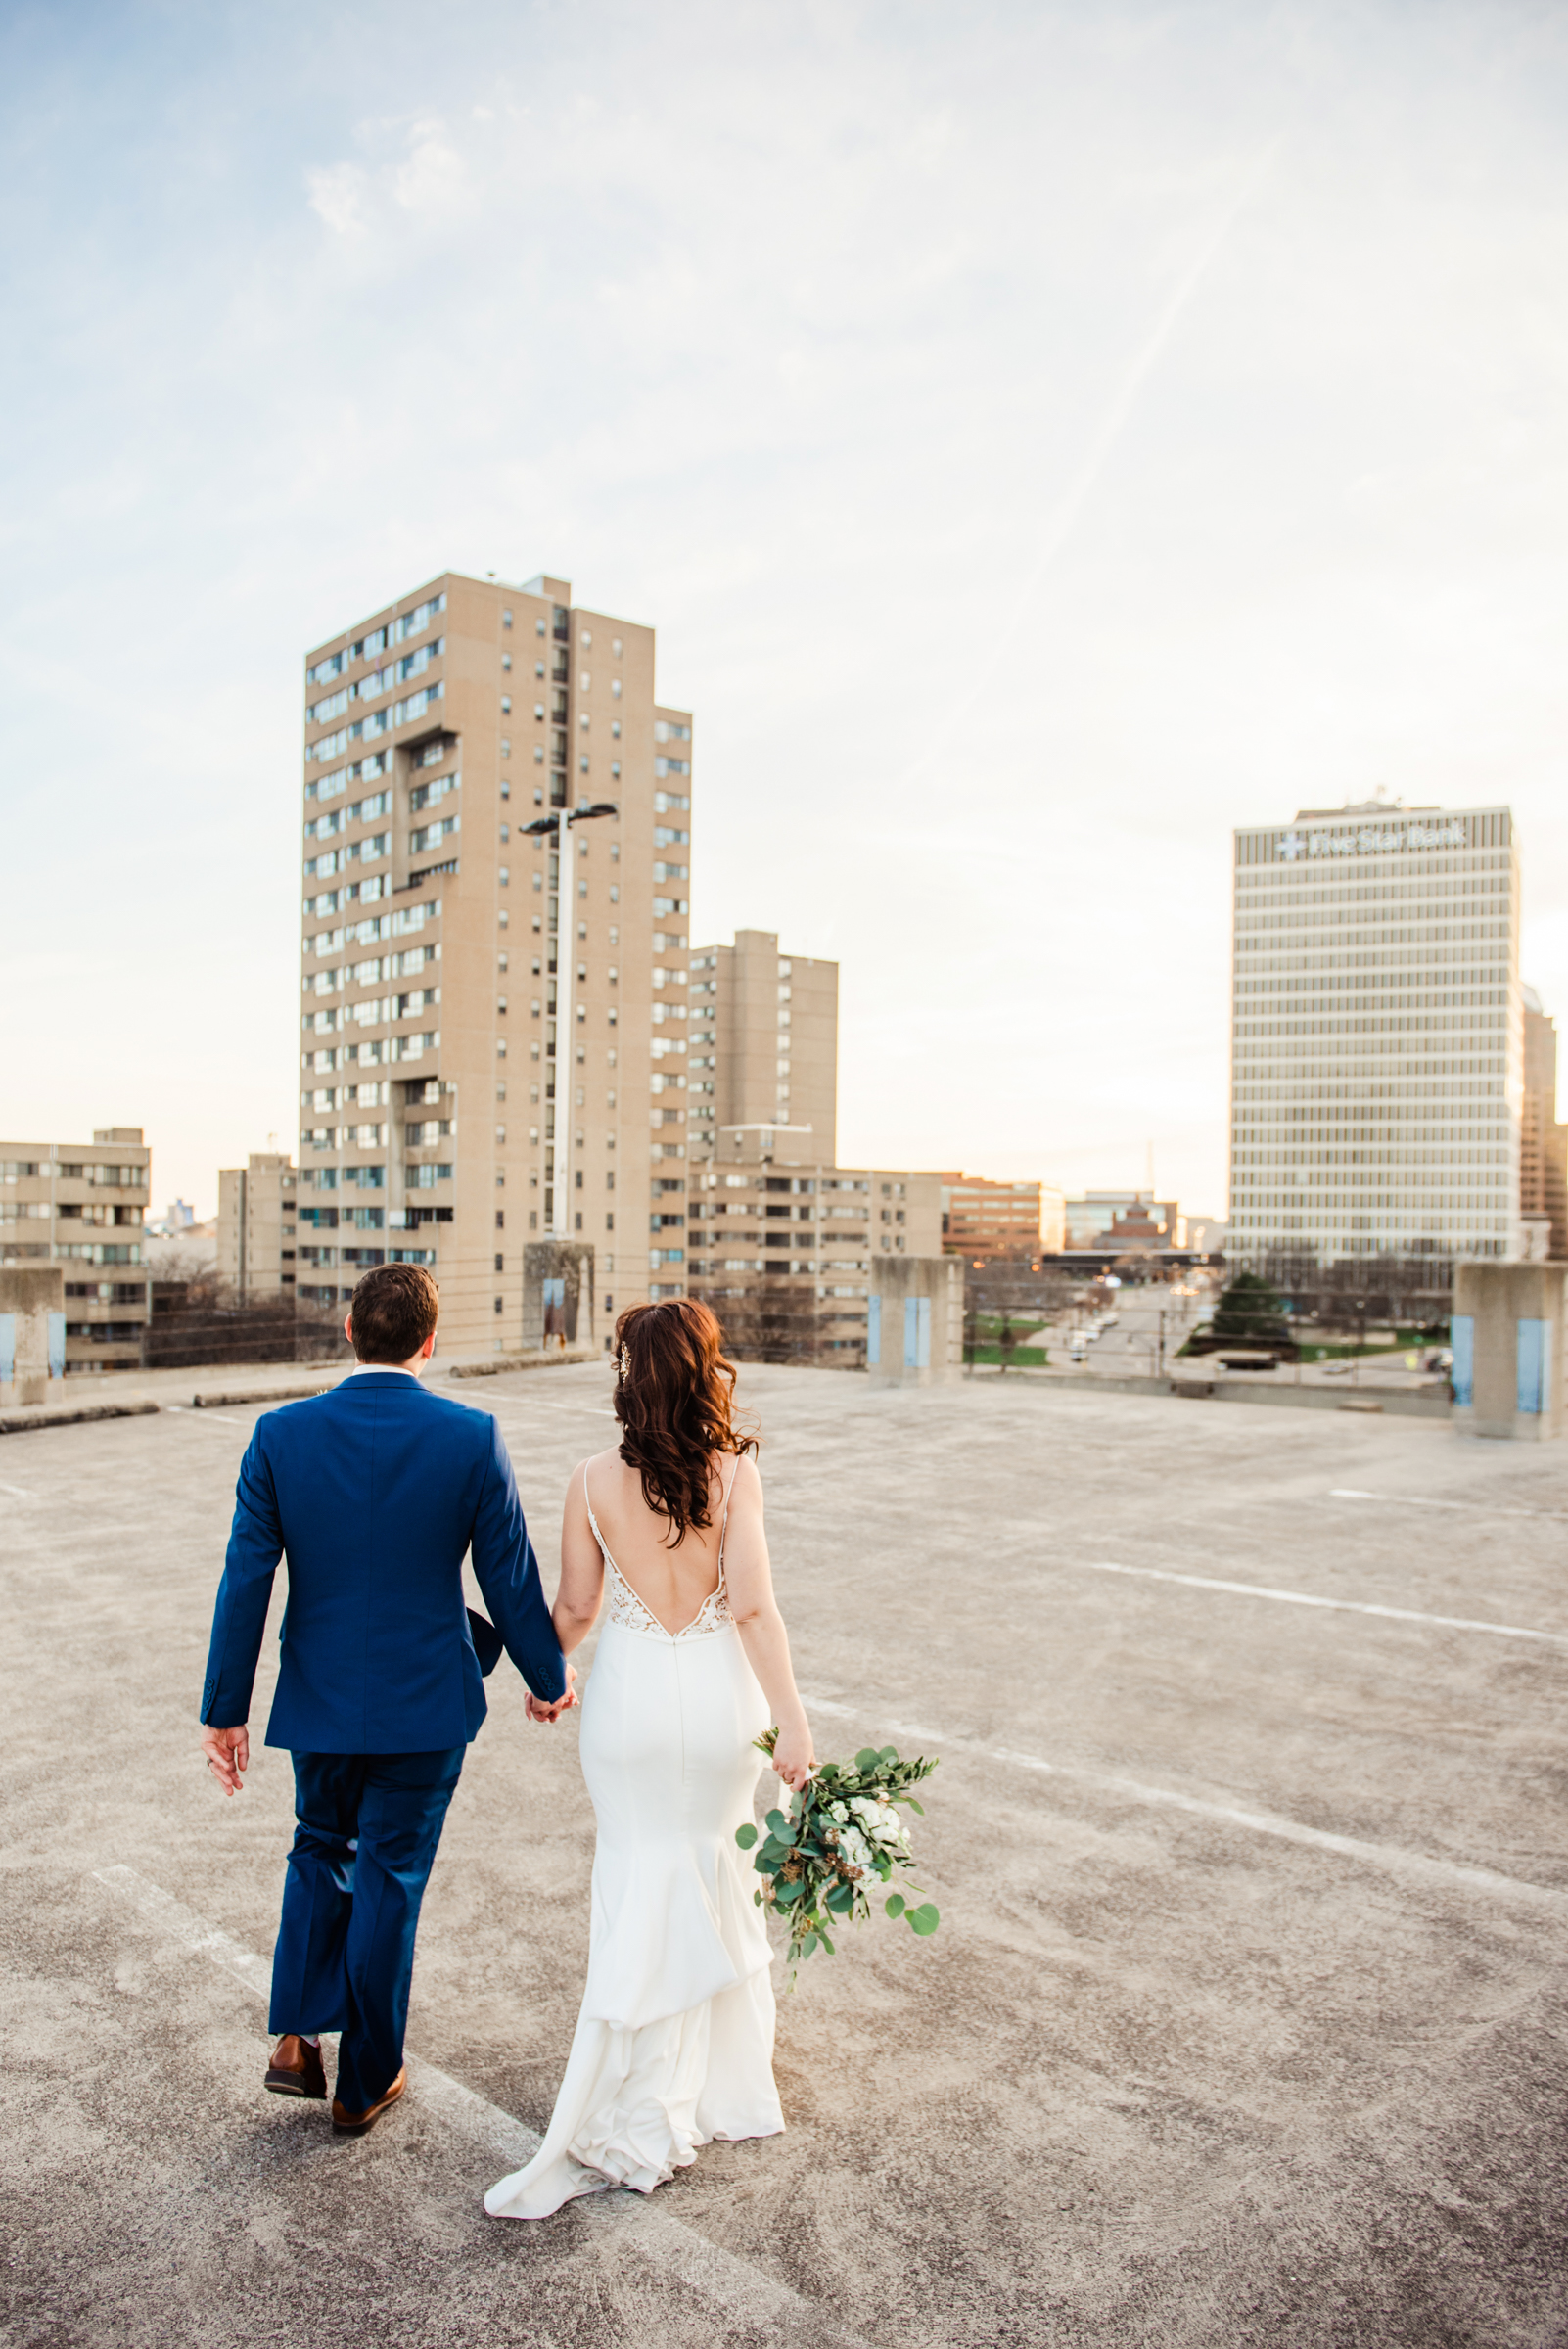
(793, 1757)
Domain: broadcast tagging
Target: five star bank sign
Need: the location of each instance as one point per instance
(1370, 840)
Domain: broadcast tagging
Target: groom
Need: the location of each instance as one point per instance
(374, 1491)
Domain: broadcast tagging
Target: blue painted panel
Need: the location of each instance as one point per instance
(1461, 1337)
(8, 1347)
(923, 1334)
(1529, 1352)
(56, 1345)
(873, 1331)
(911, 1332)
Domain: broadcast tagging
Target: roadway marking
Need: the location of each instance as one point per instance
(1420, 1500)
(1450, 1873)
(744, 2292)
(187, 1411)
(18, 1491)
(1309, 1598)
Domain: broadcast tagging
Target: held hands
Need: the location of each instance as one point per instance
(227, 1754)
(537, 1709)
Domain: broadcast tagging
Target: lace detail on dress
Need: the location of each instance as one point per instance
(623, 1606)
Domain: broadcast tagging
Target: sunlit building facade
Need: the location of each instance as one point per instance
(1378, 1045)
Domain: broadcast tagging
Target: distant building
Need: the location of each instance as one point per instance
(781, 1244)
(482, 1062)
(762, 1042)
(1543, 1142)
(980, 1218)
(86, 1206)
(1377, 1050)
(1117, 1219)
(258, 1240)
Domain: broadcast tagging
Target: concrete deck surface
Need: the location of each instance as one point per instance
(1246, 2020)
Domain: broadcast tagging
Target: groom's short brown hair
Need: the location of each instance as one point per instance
(394, 1309)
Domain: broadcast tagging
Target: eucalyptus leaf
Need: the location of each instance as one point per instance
(826, 1944)
(893, 1904)
(779, 1823)
(811, 1941)
(924, 1919)
(785, 1895)
(867, 1759)
(746, 1836)
(915, 1806)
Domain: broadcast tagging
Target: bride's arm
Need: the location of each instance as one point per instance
(581, 1585)
(749, 1576)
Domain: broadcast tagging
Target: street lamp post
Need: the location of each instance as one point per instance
(566, 898)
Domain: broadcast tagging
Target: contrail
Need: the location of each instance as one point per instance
(1104, 440)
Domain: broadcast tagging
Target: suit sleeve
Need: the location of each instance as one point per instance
(508, 1574)
(256, 1544)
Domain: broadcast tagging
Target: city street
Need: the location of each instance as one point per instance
(1244, 2023)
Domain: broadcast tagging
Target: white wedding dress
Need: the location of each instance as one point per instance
(674, 2041)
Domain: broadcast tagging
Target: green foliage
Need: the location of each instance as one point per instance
(806, 1859)
(1250, 1309)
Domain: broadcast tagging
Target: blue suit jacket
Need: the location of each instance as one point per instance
(374, 1492)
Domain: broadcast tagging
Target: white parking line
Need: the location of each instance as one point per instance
(745, 2293)
(1309, 1599)
(186, 1413)
(1422, 1500)
(1450, 1873)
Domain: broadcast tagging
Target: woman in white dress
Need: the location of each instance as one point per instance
(674, 2041)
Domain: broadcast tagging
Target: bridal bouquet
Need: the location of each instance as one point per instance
(840, 1839)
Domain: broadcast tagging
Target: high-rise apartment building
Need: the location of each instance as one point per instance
(1377, 1053)
(764, 1042)
(482, 1060)
(84, 1206)
(1543, 1142)
(257, 1227)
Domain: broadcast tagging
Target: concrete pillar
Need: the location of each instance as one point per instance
(915, 1321)
(32, 1332)
(1508, 1350)
(558, 1293)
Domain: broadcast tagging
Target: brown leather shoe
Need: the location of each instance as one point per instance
(355, 2124)
(296, 2069)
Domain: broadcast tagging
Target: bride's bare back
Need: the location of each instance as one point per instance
(671, 1579)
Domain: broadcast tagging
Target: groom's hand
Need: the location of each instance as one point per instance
(537, 1709)
(227, 1753)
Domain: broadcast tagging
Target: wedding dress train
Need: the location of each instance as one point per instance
(674, 2041)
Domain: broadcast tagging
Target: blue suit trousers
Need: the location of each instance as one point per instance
(363, 1849)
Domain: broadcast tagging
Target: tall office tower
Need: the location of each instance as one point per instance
(256, 1227)
(764, 1042)
(1377, 1049)
(481, 1062)
(1543, 1142)
(86, 1206)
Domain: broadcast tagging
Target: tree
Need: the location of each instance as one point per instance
(1250, 1309)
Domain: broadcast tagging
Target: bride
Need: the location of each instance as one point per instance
(674, 2041)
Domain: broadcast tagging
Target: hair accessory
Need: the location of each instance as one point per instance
(624, 1364)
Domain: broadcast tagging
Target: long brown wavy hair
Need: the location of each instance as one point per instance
(675, 1401)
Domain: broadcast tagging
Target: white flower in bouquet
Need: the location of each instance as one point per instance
(841, 1836)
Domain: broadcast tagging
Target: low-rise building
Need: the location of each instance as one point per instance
(83, 1206)
(1110, 1219)
(257, 1242)
(781, 1244)
(981, 1218)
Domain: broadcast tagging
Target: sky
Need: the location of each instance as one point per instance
(1044, 438)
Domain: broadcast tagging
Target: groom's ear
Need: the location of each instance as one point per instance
(349, 1327)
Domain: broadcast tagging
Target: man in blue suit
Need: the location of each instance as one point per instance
(374, 1492)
